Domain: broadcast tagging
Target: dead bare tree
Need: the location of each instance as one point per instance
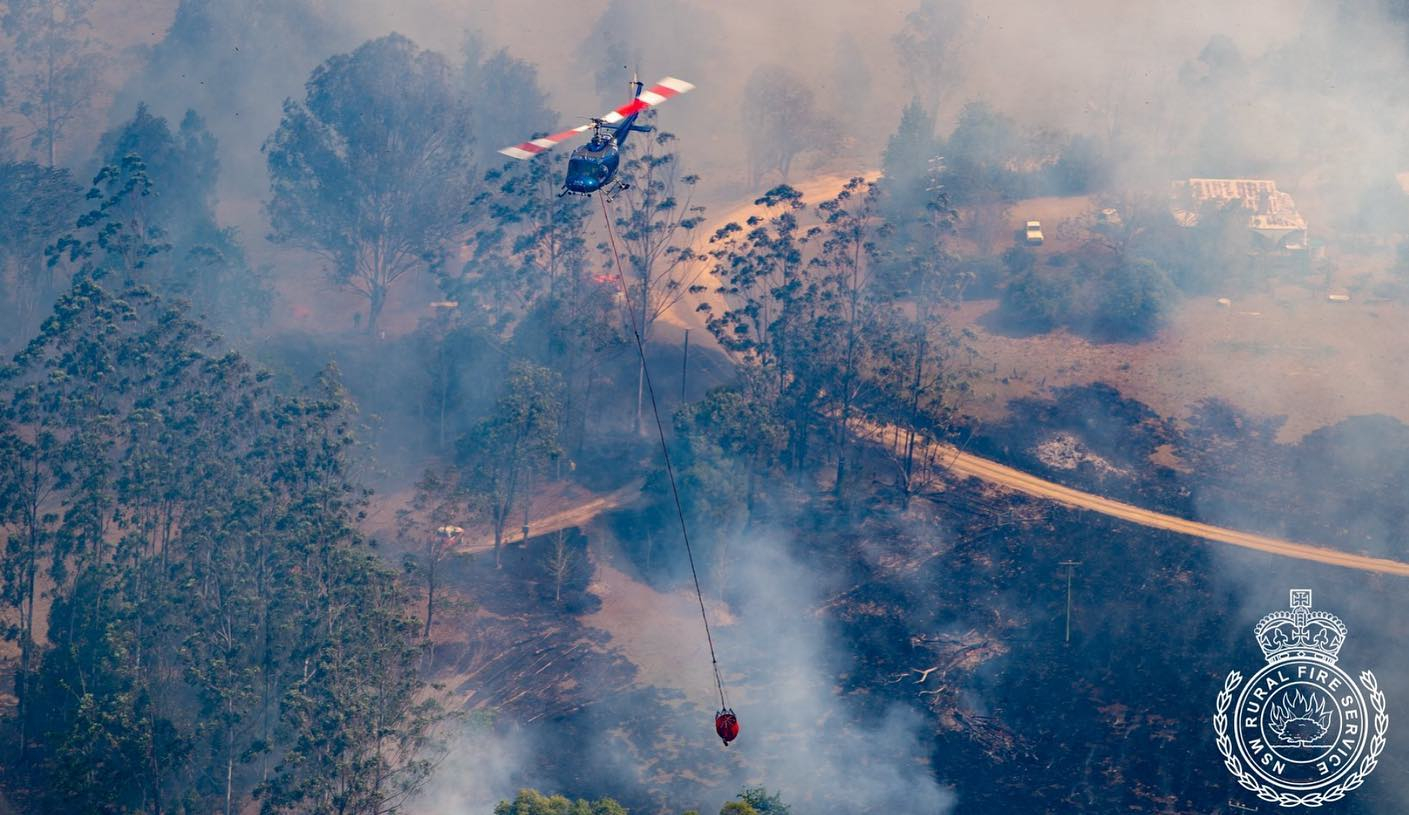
(427, 529)
(560, 563)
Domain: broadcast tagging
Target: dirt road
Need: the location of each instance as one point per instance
(819, 189)
(962, 463)
(565, 519)
(683, 314)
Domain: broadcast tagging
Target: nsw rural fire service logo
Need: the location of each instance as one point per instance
(1303, 733)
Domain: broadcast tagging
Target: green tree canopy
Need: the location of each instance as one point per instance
(373, 169)
(206, 264)
(218, 630)
(533, 802)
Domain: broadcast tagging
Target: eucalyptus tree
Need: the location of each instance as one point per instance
(798, 286)
(780, 120)
(212, 603)
(372, 170)
(41, 205)
(55, 67)
(928, 45)
(517, 440)
(657, 223)
(844, 334)
(206, 264)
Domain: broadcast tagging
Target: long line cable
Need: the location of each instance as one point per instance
(664, 448)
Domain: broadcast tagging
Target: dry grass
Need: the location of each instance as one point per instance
(1290, 353)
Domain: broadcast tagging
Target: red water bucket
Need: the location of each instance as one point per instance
(726, 724)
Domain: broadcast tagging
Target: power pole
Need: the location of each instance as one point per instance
(1071, 567)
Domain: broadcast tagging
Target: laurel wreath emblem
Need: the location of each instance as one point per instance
(1287, 799)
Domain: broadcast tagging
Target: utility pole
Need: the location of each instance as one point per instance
(1071, 567)
(684, 365)
(527, 499)
(442, 309)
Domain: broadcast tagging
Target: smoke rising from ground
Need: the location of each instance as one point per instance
(481, 767)
(1309, 94)
(801, 736)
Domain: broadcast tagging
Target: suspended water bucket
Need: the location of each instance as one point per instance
(726, 724)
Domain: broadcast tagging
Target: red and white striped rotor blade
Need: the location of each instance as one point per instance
(529, 149)
(648, 98)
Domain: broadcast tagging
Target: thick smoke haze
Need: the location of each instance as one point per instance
(1304, 92)
(1309, 93)
(815, 746)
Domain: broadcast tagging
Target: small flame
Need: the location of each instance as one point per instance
(1299, 719)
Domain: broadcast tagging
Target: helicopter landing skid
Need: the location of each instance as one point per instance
(615, 188)
(608, 191)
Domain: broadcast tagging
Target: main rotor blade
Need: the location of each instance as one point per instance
(648, 98)
(529, 149)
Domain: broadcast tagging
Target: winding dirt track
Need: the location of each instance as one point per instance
(822, 187)
(966, 464)
(957, 461)
(566, 519)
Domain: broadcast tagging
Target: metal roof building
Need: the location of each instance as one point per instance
(1272, 213)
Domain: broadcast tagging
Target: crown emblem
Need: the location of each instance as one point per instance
(1300, 632)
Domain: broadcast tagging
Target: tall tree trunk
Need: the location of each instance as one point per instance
(848, 374)
(915, 405)
(430, 595)
(229, 762)
(49, 90)
(374, 307)
(640, 385)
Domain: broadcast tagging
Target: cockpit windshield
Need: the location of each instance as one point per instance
(586, 168)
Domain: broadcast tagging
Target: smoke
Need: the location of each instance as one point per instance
(823, 751)
(482, 766)
(651, 748)
(1307, 91)
(1310, 94)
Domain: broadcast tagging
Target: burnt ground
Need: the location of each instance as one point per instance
(532, 668)
(1119, 719)
(955, 608)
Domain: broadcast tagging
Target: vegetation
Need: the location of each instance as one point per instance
(1091, 295)
(751, 801)
(47, 201)
(211, 602)
(203, 263)
(781, 120)
(55, 64)
(371, 171)
(819, 314)
(516, 442)
(533, 802)
(657, 233)
(205, 609)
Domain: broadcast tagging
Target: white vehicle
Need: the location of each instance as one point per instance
(1034, 233)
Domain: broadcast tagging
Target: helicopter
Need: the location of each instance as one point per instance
(592, 167)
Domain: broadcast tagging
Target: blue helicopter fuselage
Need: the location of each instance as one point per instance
(593, 165)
